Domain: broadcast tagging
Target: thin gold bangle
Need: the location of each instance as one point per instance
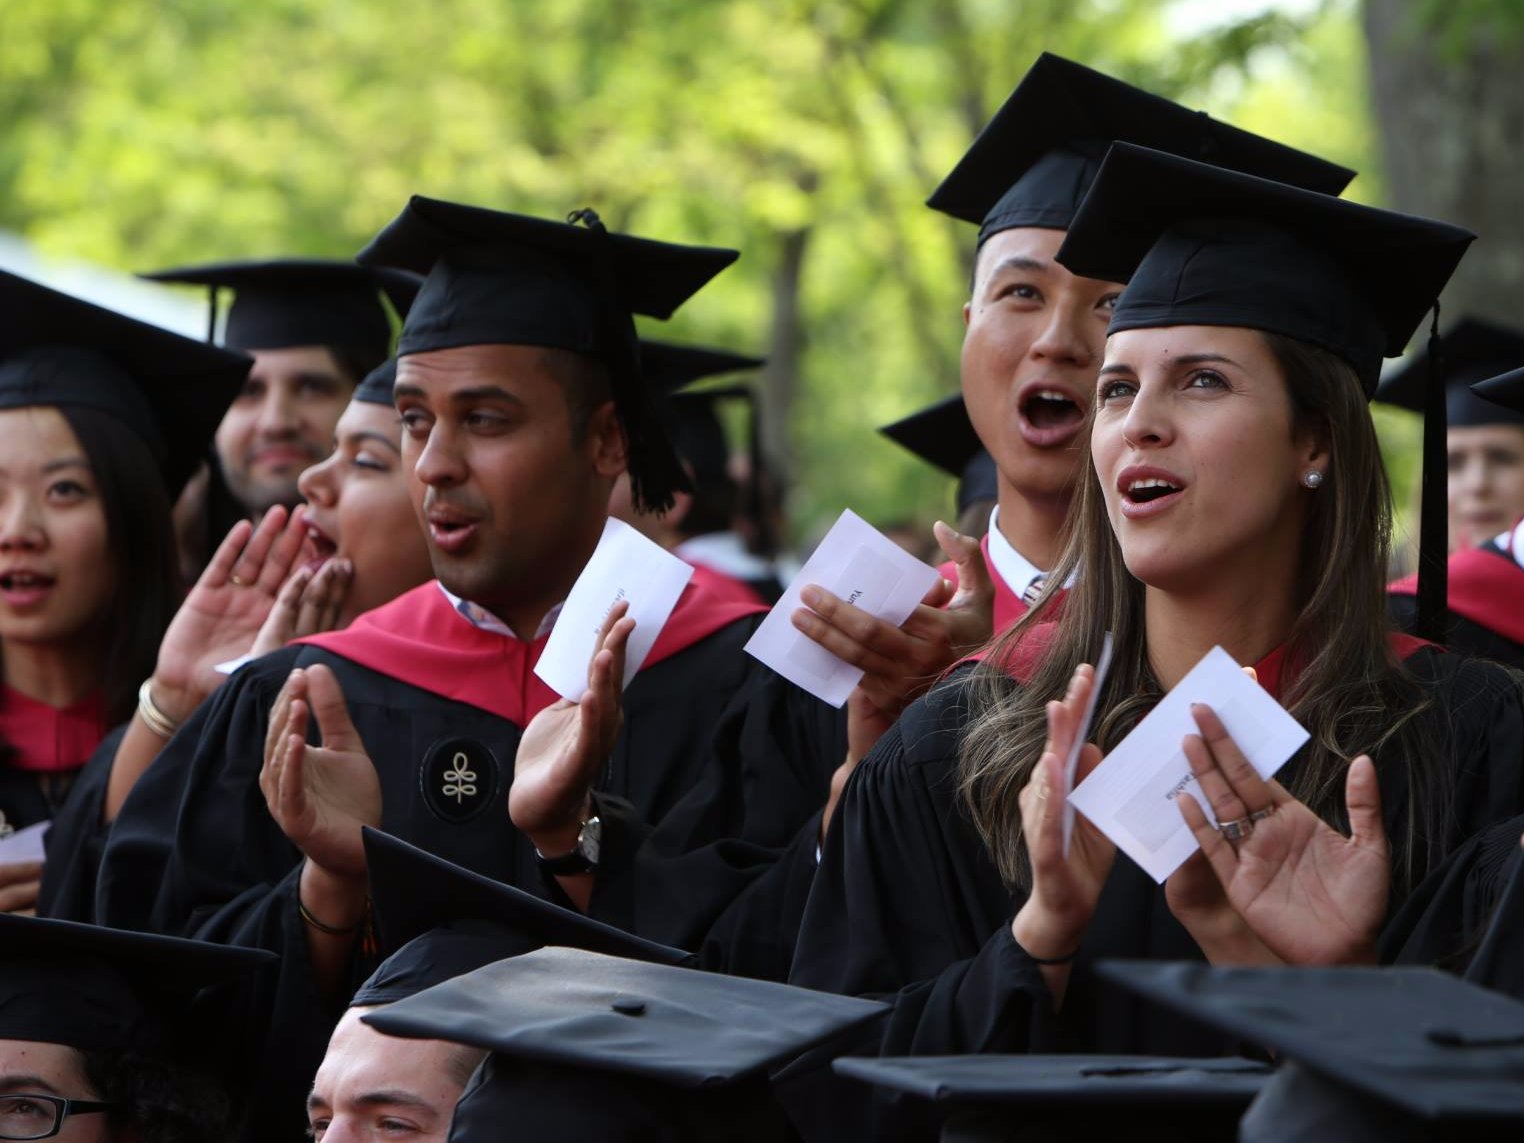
(156, 720)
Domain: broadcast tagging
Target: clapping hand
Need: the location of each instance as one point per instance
(1311, 895)
(568, 743)
(1065, 887)
(320, 796)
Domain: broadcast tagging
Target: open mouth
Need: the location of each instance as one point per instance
(25, 581)
(1049, 416)
(1050, 409)
(1148, 490)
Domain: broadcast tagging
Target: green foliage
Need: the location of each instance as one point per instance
(143, 134)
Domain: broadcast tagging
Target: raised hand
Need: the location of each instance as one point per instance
(224, 611)
(320, 796)
(1200, 904)
(20, 882)
(1311, 895)
(901, 663)
(1065, 888)
(567, 744)
(309, 602)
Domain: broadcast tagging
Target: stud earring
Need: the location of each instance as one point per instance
(1312, 478)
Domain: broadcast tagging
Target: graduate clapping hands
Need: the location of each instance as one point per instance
(1290, 889)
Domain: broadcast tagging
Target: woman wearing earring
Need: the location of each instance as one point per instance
(1235, 497)
(101, 419)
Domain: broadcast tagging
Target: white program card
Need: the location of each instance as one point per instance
(626, 567)
(24, 845)
(1071, 764)
(1131, 796)
(856, 563)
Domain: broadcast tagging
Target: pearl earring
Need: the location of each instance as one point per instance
(1312, 478)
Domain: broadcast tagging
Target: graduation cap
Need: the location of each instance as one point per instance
(377, 385)
(942, 435)
(691, 418)
(1473, 351)
(1504, 389)
(170, 391)
(997, 1097)
(285, 302)
(685, 1045)
(1200, 245)
(1413, 1047)
(100, 989)
(495, 278)
(435, 920)
(1034, 161)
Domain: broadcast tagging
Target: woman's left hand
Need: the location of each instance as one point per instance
(1310, 894)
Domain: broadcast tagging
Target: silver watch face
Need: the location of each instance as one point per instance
(590, 840)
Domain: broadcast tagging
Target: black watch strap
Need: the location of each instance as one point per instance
(567, 865)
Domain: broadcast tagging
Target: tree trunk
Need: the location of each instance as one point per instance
(1449, 104)
(785, 347)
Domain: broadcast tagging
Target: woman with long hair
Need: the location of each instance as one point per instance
(1235, 497)
(354, 545)
(100, 419)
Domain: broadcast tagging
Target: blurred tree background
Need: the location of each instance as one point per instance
(805, 132)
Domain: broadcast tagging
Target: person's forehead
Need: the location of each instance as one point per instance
(1032, 243)
(292, 360)
(55, 1063)
(368, 417)
(361, 1060)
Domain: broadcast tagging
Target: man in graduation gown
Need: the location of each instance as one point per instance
(315, 328)
(517, 389)
(1484, 413)
(1033, 339)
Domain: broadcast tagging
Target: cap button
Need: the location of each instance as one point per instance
(629, 1006)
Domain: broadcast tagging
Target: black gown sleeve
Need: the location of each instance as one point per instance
(195, 853)
(77, 840)
(908, 907)
(725, 870)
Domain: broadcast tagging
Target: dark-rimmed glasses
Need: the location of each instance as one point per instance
(41, 1116)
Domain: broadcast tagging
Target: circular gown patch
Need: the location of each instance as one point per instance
(458, 778)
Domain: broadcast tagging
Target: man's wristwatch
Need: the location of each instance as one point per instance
(583, 857)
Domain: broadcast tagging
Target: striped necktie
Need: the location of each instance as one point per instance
(1034, 589)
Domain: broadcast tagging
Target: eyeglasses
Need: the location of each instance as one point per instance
(41, 1116)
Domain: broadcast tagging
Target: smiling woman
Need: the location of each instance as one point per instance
(91, 451)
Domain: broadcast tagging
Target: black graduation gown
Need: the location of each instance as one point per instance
(908, 905)
(27, 798)
(703, 792)
(77, 839)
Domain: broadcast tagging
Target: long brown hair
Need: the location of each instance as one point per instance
(1347, 687)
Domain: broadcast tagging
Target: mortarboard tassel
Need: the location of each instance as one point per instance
(1433, 509)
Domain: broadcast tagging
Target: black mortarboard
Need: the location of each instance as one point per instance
(1034, 161)
(1199, 245)
(1472, 350)
(286, 302)
(1504, 389)
(995, 1097)
(691, 418)
(495, 278)
(435, 920)
(94, 988)
(171, 391)
(377, 386)
(1421, 1044)
(668, 367)
(942, 435)
(674, 1045)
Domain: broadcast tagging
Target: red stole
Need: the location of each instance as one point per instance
(420, 639)
(48, 739)
(1486, 587)
(1271, 671)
